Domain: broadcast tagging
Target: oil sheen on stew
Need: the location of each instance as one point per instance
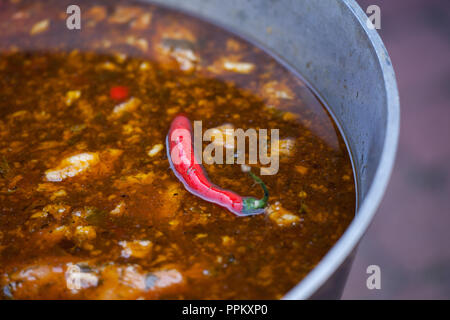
(85, 184)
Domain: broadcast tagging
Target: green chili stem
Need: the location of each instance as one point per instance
(252, 205)
(263, 201)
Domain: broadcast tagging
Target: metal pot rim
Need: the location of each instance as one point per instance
(349, 240)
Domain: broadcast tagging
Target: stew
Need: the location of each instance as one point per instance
(90, 207)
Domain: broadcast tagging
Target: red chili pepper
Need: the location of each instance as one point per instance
(180, 151)
(119, 92)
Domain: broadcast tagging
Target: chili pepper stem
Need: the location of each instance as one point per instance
(252, 205)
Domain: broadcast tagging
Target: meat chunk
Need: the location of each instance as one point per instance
(72, 96)
(274, 90)
(231, 64)
(87, 161)
(128, 106)
(162, 279)
(67, 279)
(281, 216)
(119, 209)
(182, 51)
(155, 150)
(132, 282)
(239, 67)
(41, 278)
(72, 166)
(136, 248)
(285, 147)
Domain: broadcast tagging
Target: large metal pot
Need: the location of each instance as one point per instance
(329, 43)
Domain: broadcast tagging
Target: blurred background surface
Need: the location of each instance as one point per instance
(410, 238)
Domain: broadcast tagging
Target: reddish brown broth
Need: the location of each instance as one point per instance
(124, 221)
